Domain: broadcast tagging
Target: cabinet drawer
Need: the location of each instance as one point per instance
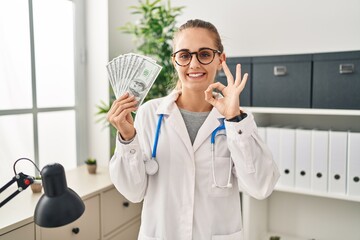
(282, 81)
(87, 226)
(130, 233)
(245, 96)
(336, 80)
(117, 211)
(24, 232)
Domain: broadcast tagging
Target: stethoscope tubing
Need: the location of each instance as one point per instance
(152, 165)
(157, 133)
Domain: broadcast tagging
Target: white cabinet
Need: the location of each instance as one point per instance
(85, 228)
(120, 219)
(117, 212)
(301, 214)
(108, 215)
(24, 232)
(129, 233)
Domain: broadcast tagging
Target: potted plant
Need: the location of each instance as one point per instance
(152, 35)
(91, 165)
(36, 186)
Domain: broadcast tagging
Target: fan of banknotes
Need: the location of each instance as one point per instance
(132, 73)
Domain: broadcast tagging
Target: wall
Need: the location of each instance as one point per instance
(97, 83)
(248, 28)
(262, 27)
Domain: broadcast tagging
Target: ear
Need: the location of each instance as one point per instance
(222, 59)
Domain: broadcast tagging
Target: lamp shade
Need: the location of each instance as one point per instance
(59, 205)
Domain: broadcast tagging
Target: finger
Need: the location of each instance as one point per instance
(127, 112)
(123, 116)
(217, 85)
(122, 97)
(121, 108)
(229, 76)
(120, 101)
(125, 106)
(243, 82)
(113, 105)
(209, 96)
(238, 75)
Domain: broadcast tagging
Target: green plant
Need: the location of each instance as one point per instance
(153, 34)
(90, 161)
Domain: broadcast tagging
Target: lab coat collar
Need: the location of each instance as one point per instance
(169, 107)
(168, 104)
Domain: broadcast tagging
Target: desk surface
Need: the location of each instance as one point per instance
(20, 210)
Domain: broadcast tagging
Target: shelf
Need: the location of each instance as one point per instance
(304, 111)
(317, 194)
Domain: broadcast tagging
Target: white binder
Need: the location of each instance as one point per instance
(273, 142)
(353, 183)
(320, 161)
(302, 158)
(337, 162)
(287, 157)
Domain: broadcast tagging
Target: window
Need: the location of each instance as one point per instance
(41, 82)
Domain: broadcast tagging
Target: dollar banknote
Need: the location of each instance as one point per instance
(132, 73)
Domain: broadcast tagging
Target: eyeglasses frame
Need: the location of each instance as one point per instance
(196, 54)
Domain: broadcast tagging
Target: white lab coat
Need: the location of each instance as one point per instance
(179, 202)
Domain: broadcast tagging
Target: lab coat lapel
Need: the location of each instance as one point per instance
(211, 122)
(174, 119)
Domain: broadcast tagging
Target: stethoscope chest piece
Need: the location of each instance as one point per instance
(151, 166)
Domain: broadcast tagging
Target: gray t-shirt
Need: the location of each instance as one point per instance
(193, 122)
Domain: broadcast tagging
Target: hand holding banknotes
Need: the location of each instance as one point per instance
(120, 117)
(131, 76)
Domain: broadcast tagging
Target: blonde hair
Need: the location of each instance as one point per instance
(197, 23)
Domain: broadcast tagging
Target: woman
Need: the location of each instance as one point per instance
(193, 194)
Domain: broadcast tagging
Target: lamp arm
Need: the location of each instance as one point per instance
(23, 181)
(7, 184)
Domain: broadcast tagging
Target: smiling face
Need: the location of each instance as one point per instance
(196, 76)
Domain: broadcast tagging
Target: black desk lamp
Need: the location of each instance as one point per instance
(59, 205)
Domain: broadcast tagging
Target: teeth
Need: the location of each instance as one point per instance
(195, 74)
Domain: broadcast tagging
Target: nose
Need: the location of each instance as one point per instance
(194, 62)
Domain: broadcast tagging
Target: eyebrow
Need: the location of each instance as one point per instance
(186, 49)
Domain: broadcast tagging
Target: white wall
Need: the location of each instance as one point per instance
(97, 87)
(247, 27)
(262, 27)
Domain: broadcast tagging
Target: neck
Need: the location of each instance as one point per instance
(193, 101)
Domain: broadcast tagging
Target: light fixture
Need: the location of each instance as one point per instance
(59, 205)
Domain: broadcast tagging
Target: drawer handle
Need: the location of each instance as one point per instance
(280, 70)
(346, 68)
(76, 230)
(126, 204)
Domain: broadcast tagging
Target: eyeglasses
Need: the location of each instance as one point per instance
(205, 56)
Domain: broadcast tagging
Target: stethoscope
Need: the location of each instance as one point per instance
(152, 166)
